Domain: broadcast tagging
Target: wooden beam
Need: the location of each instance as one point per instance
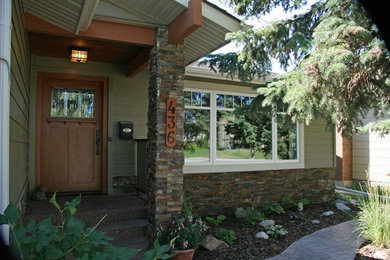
(86, 15)
(186, 23)
(98, 30)
(139, 62)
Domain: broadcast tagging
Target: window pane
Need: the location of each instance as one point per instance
(205, 99)
(237, 101)
(229, 101)
(287, 138)
(220, 100)
(197, 135)
(70, 102)
(187, 98)
(196, 98)
(239, 137)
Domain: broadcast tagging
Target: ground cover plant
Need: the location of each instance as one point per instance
(217, 220)
(226, 235)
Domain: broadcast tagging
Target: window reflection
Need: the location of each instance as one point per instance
(70, 102)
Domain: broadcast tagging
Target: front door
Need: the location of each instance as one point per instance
(71, 135)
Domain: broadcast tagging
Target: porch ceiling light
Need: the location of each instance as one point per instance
(78, 54)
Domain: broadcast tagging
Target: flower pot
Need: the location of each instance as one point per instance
(184, 254)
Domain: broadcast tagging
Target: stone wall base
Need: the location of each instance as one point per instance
(124, 184)
(215, 193)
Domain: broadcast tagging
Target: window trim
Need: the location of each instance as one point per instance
(225, 165)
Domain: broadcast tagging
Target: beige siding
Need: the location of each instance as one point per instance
(127, 101)
(19, 104)
(371, 155)
(319, 145)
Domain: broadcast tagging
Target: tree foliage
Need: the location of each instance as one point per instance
(341, 65)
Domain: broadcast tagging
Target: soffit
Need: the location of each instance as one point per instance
(64, 14)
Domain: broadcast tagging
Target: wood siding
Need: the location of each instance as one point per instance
(19, 103)
(371, 155)
(319, 145)
(127, 101)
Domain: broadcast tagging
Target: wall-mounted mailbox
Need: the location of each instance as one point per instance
(126, 130)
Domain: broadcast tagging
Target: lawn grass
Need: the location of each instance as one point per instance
(223, 154)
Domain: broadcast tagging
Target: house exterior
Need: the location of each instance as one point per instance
(60, 121)
(364, 157)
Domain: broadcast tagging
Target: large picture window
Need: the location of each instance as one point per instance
(226, 128)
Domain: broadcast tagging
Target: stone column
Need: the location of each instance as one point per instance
(165, 165)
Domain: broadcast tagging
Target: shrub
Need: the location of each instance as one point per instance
(276, 231)
(273, 208)
(226, 235)
(215, 221)
(251, 216)
(183, 233)
(374, 216)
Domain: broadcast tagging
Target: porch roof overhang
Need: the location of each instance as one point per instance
(125, 28)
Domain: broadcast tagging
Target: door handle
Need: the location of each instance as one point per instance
(98, 142)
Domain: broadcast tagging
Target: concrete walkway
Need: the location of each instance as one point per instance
(338, 242)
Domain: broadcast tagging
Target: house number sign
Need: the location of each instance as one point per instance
(170, 132)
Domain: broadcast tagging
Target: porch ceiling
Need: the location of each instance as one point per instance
(76, 15)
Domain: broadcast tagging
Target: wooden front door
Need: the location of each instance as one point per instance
(71, 135)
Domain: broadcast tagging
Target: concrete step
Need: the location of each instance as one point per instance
(123, 230)
(125, 217)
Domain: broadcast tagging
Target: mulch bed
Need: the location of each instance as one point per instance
(247, 246)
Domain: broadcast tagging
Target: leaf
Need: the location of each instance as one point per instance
(46, 226)
(52, 252)
(32, 226)
(20, 231)
(54, 201)
(3, 220)
(43, 240)
(11, 213)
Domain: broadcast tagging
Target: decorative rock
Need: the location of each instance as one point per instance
(300, 206)
(262, 235)
(327, 213)
(267, 223)
(354, 202)
(211, 243)
(315, 221)
(342, 206)
(239, 213)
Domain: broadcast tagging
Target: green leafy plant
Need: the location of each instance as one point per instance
(186, 207)
(185, 232)
(159, 252)
(251, 216)
(276, 231)
(374, 216)
(226, 235)
(70, 238)
(288, 202)
(273, 208)
(216, 221)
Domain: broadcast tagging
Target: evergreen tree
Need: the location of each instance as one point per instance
(341, 65)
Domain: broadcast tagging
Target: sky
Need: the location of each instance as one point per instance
(263, 21)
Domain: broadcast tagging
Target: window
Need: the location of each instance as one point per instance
(223, 129)
(71, 102)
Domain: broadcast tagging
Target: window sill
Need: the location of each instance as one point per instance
(241, 166)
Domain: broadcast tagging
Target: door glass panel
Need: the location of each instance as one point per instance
(72, 102)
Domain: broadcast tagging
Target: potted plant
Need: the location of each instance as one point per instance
(185, 234)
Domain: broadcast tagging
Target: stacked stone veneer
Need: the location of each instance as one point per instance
(165, 165)
(212, 193)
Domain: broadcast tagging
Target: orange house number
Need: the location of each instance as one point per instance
(170, 131)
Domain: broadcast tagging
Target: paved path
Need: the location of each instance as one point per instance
(338, 242)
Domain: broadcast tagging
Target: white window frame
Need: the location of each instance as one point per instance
(217, 165)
